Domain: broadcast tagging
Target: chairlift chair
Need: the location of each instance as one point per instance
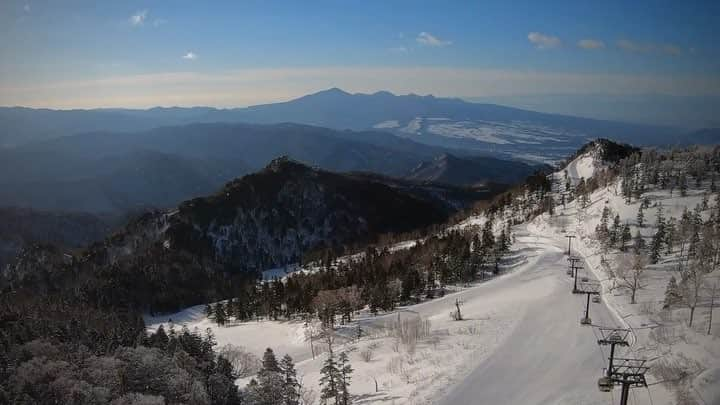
(605, 384)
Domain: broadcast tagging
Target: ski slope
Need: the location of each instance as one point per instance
(521, 341)
(549, 358)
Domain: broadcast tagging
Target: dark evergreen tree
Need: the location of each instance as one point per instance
(672, 293)
(329, 379)
(641, 216)
(220, 314)
(345, 372)
(625, 237)
(639, 243)
(291, 386)
(269, 361)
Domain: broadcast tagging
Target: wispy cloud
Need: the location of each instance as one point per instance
(26, 8)
(649, 47)
(190, 56)
(138, 18)
(398, 49)
(427, 39)
(159, 21)
(543, 41)
(591, 44)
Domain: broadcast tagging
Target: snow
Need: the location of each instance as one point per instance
(521, 341)
(413, 126)
(584, 166)
(467, 130)
(387, 124)
(651, 325)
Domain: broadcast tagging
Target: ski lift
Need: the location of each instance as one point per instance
(596, 299)
(585, 321)
(569, 272)
(584, 279)
(605, 384)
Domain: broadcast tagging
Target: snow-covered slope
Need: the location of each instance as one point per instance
(521, 340)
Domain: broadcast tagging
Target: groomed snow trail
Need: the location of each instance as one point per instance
(549, 358)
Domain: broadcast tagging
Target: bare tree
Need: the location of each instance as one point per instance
(312, 330)
(692, 281)
(630, 273)
(243, 362)
(713, 295)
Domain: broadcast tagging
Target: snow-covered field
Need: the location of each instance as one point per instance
(521, 341)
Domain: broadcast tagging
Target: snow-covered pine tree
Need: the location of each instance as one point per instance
(345, 372)
(655, 246)
(638, 243)
(329, 374)
(270, 381)
(625, 237)
(269, 361)
(641, 216)
(290, 387)
(615, 231)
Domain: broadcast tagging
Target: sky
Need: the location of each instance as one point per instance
(88, 54)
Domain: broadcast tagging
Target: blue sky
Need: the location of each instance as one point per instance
(234, 53)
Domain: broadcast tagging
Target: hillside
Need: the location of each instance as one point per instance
(260, 221)
(470, 171)
(415, 351)
(116, 172)
(20, 227)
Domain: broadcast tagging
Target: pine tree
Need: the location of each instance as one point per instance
(625, 237)
(655, 246)
(615, 231)
(291, 387)
(270, 381)
(344, 380)
(269, 361)
(220, 314)
(640, 216)
(639, 243)
(329, 379)
(602, 228)
(672, 293)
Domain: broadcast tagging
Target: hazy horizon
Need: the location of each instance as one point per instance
(141, 54)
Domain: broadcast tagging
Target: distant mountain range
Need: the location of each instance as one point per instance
(446, 122)
(105, 172)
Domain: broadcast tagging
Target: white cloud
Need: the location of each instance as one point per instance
(649, 47)
(26, 7)
(591, 44)
(426, 38)
(159, 21)
(138, 18)
(543, 41)
(190, 56)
